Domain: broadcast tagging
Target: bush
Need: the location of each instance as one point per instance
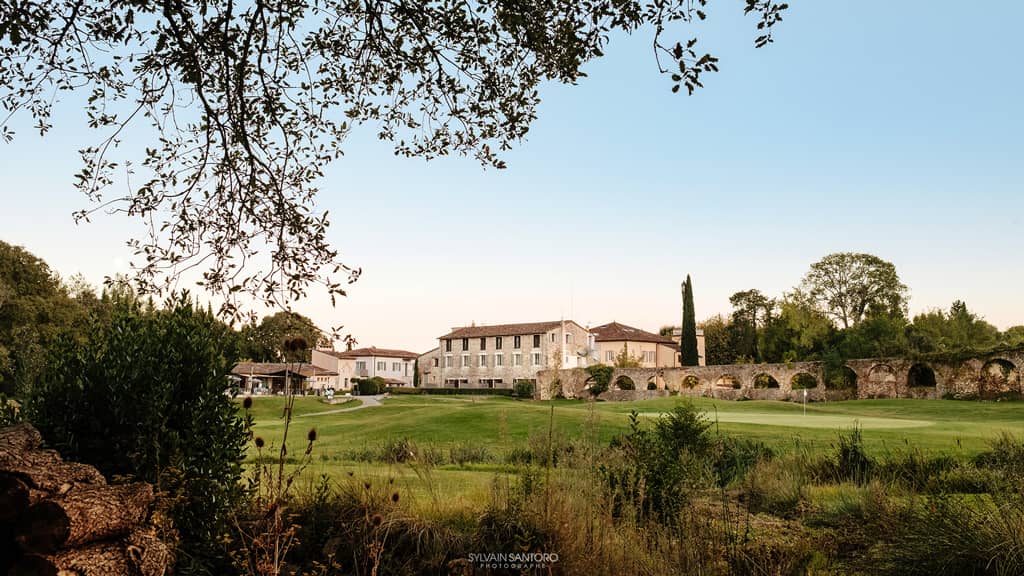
(600, 376)
(142, 394)
(656, 467)
(523, 389)
(398, 450)
(778, 487)
(849, 462)
(735, 457)
(1006, 453)
(957, 535)
(453, 391)
(914, 469)
(466, 453)
(370, 386)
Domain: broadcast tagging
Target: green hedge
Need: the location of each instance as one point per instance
(398, 390)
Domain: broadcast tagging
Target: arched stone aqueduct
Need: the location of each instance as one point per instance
(993, 376)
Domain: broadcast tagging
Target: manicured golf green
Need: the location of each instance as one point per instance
(500, 424)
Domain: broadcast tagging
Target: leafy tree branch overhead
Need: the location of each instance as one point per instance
(239, 105)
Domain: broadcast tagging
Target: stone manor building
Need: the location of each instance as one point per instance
(498, 356)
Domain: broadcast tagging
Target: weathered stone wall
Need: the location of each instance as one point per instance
(629, 395)
(551, 351)
(993, 376)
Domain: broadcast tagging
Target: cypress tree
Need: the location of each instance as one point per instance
(688, 340)
(416, 373)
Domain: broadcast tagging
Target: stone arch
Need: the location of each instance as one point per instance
(921, 375)
(624, 382)
(803, 381)
(842, 378)
(728, 381)
(691, 381)
(881, 381)
(999, 377)
(652, 382)
(765, 380)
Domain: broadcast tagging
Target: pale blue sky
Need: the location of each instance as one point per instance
(893, 128)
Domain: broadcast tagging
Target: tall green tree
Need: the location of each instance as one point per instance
(34, 308)
(266, 341)
(718, 345)
(752, 310)
(238, 107)
(800, 331)
(1013, 336)
(847, 285)
(688, 340)
(957, 329)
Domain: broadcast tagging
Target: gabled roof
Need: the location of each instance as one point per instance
(615, 332)
(279, 369)
(373, 351)
(505, 329)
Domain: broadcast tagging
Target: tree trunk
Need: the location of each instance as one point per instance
(83, 515)
(62, 519)
(17, 439)
(15, 498)
(138, 554)
(44, 469)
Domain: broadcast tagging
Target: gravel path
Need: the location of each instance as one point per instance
(368, 401)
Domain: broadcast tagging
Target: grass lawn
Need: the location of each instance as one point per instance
(499, 424)
(955, 427)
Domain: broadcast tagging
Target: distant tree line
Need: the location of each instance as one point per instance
(847, 306)
(37, 307)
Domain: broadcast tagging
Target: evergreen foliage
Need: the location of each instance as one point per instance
(143, 394)
(688, 340)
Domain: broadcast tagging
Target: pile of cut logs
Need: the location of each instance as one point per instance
(63, 519)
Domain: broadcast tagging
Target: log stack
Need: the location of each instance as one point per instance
(63, 519)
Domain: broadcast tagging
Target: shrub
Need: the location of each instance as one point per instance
(523, 389)
(849, 461)
(735, 457)
(398, 450)
(371, 386)
(625, 383)
(969, 479)
(778, 487)
(142, 394)
(453, 391)
(466, 453)
(1005, 453)
(600, 376)
(957, 535)
(914, 469)
(657, 466)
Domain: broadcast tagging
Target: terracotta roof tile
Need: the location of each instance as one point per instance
(372, 351)
(504, 329)
(615, 332)
(279, 368)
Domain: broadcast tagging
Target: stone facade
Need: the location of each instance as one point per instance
(429, 366)
(394, 366)
(498, 356)
(648, 349)
(989, 377)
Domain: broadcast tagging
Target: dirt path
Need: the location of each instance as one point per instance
(367, 402)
